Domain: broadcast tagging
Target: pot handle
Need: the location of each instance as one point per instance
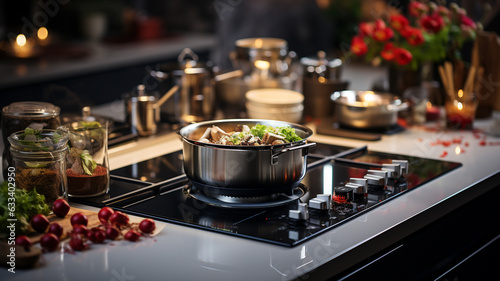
(274, 156)
(399, 107)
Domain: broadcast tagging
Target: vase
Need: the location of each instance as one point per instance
(402, 79)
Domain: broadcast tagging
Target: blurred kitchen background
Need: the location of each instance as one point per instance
(97, 51)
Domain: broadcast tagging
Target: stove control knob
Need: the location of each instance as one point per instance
(327, 198)
(380, 173)
(375, 180)
(318, 204)
(301, 214)
(360, 181)
(393, 169)
(404, 166)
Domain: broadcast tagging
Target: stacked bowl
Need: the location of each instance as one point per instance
(275, 104)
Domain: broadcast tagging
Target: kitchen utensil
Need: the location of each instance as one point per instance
(367, 109)
(321, 77)
(145, 111)
(195, 100)
(268, 56)
(275, 104)
(244, 170)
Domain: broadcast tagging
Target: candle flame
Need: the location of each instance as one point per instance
(262, 64)
(458, 150)
(460, 106)
(42, 33)
(428, 105)
(21, 40)
(460, 93)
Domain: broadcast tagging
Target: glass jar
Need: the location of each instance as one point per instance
(40, 163)
(87, 161)
(19, 115)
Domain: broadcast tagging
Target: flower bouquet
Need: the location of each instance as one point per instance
(430, 33)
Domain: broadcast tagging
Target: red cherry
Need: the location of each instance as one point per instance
(112, 233)
(77, 242)
(56, 228)
(79, 218)
(147, 226)
(39, 222)
(104, 214)
(49, 242)
(96, 235)
(23, 241)
(80, 229)
(60, 207)
(119, 219)
(132, 235)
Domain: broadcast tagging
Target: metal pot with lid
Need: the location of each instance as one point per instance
(321, 77)
(195, 99)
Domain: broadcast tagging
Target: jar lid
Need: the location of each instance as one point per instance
(31, 109)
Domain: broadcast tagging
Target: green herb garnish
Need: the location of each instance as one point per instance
(27, 204)
(88, 164)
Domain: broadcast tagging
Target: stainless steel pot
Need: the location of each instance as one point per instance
(270, 54)
(195, 100)
(244, 170)
(367, 109)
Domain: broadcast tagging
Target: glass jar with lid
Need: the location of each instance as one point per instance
(39, 160)
(19, 115)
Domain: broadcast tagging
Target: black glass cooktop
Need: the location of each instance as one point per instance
(162, 192)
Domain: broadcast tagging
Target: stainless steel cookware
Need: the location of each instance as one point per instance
(245, 170)
(195, 100)
(367, 109)
(321, 77)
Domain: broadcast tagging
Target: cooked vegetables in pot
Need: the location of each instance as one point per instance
(244, 135)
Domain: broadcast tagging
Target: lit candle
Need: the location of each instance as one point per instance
(431, 112)
(43, 36)
(23, 47)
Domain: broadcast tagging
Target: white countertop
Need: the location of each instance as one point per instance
(185, 253)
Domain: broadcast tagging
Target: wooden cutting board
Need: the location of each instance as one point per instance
(65, 223)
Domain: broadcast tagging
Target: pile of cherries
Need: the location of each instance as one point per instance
(114, 224)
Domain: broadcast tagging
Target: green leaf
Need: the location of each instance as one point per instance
(88, 164)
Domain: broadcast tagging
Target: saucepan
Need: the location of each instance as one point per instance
(367, 109)
(262, 169)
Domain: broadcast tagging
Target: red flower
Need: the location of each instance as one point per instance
(432, 23)
(443, 11)
(366, 29)
(398, 21)
(467, 22)
(382, 33)
(388, 52)
(358, 46)
(414, 36)
(417, 9)
(402, 56)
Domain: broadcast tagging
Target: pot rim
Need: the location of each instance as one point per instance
(337, 97)
(186, 130)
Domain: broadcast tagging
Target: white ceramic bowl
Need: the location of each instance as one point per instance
(274, 97)
(290, 114)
